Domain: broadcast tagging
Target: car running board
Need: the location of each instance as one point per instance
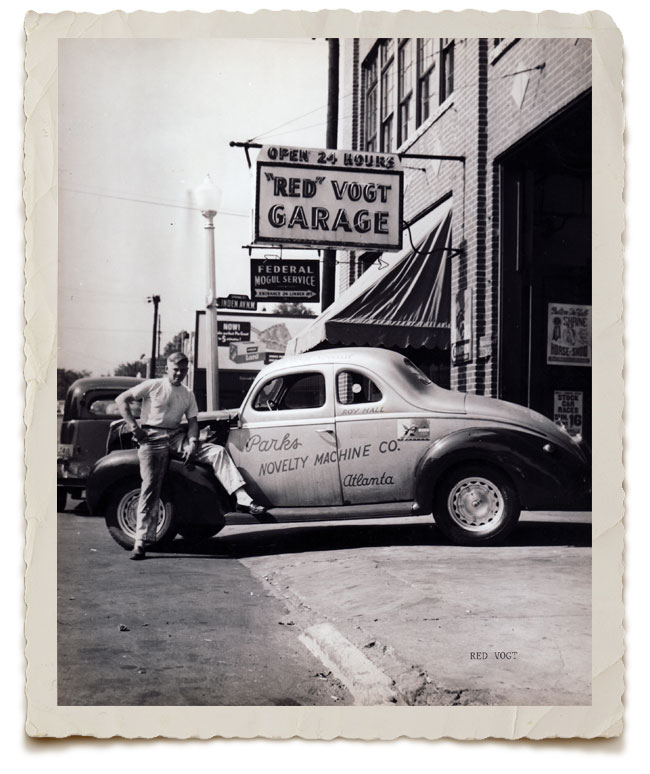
(325, 513)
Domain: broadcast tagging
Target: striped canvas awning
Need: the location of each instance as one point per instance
(402, 300)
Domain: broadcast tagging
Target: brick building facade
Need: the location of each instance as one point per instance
(516, 116)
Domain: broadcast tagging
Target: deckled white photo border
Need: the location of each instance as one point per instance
(44, 717)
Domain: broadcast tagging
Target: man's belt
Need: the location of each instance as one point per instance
(160, 427)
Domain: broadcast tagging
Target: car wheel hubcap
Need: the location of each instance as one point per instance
(476, 504)
(127, 514)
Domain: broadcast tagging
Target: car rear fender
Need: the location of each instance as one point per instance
(198, 496)
(518, 454)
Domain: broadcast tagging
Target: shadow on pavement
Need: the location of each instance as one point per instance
(304, 539)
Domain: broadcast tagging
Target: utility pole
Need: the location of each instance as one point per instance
(152, 365)
(159, 334)
(331, 141)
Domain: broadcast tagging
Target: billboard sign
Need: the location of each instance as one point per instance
(232, 330)
(328, 198)
(285, 280)
(247, 342)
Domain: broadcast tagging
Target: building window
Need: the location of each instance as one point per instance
(387, 53)
(365, 261)
(427, 82)
(406, 121)
(499, 47)
(370, 91)
(404, 81)
(446, 68)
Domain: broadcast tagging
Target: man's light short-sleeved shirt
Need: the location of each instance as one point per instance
(164, 404)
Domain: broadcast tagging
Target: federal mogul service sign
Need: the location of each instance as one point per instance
(328, 198)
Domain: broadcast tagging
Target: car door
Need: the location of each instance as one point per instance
(285, 445)
(379, 442)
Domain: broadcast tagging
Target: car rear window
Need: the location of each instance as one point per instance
(415, 375)
(103, 407)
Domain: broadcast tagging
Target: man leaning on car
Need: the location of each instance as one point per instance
(164, 403)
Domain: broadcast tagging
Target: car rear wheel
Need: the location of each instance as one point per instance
(476, 505)
(121, 515)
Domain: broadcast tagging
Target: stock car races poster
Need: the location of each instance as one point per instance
(248, 342)
(569, 335)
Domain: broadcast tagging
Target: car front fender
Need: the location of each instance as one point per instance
(197, 495)
(552, 479)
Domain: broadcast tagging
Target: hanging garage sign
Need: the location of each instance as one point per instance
(328, 198)
(285, 280)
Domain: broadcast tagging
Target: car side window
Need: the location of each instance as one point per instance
(353, 387)
(294, 391)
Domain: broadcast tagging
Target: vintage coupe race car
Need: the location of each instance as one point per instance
(358, 433)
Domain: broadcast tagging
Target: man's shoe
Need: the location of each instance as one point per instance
(138, 553)
(253, 508)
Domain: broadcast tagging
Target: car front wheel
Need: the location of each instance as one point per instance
(121, 515)
(476, 505)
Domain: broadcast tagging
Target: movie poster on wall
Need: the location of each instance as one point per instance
(569, 335)
(461, 326)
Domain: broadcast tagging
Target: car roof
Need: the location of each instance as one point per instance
(370, 357)
(104, 382)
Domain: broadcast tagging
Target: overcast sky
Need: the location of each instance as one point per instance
(141, 122)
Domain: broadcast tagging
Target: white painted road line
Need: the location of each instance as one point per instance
(367, 684)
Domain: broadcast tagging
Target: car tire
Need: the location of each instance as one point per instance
(121, 514)
(476, 504)
(199, 531)
(61, 499)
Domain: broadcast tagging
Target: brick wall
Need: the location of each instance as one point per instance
(555, 72)
(480, 121)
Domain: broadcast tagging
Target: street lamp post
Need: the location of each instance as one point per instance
(208, 198)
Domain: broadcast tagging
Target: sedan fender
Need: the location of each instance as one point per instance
(546, 474)
(197, 495)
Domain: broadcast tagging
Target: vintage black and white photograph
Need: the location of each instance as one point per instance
(324, 371)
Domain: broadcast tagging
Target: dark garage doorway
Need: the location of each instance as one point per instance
(545, 304)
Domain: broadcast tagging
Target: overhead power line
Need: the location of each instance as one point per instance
(140, 200)
(293, 120)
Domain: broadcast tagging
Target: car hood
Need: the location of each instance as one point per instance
(482, 407)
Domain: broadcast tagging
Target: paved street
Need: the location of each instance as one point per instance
(349, 613)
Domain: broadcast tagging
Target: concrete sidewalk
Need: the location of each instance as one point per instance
(507, 625)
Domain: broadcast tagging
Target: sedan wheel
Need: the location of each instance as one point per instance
(121, 516)
(475, 505)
